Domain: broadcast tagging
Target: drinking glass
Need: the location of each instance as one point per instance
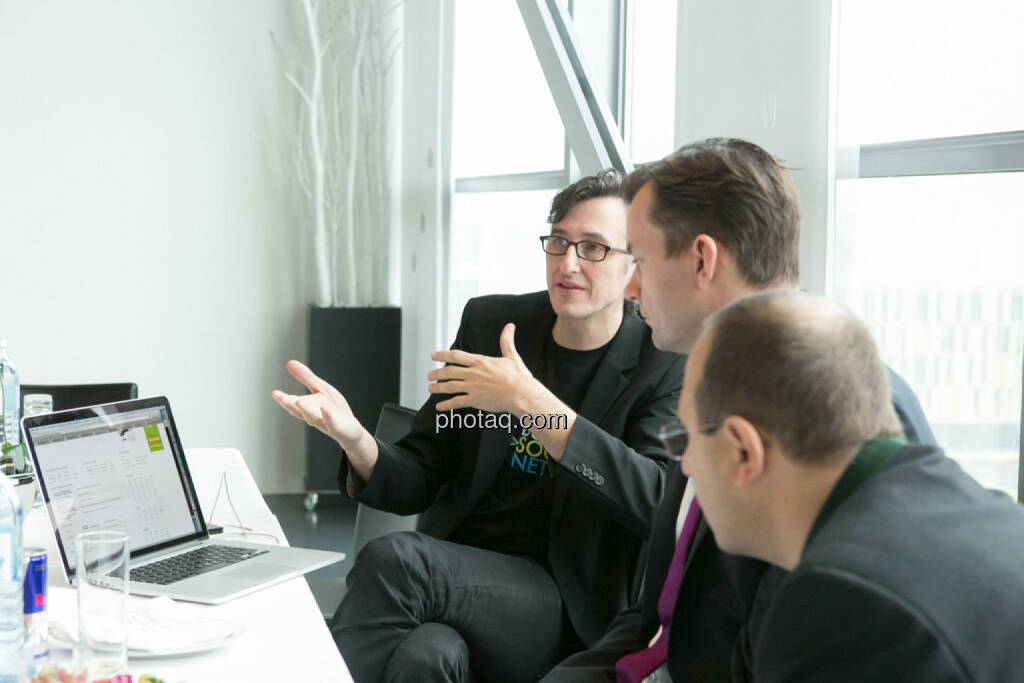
(38, 404)
(102, 579)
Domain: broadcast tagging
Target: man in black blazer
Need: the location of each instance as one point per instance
(902, 567)
(537, 462)
(713, 222)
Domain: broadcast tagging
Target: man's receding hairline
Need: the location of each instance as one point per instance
(663, 230)
(650, 220)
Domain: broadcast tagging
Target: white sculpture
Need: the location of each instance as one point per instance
(343, 144)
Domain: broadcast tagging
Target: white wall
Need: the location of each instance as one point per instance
(425, 172)
(145, 226)
(760, 70)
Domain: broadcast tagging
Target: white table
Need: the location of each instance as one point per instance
(285, 638)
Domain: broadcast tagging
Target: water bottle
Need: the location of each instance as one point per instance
(11, 398)
(12, 569)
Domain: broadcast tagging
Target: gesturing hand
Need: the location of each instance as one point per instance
(324, 407)
(495, 384)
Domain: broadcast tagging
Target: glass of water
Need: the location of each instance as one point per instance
(38, 404)
(102, 582)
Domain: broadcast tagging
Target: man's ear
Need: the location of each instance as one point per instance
(746, 450)
(705, 255)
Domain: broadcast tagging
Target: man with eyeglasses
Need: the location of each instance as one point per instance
(713, 222)
(533, 535)
(902, 567)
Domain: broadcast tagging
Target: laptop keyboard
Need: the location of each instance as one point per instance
(194, 562)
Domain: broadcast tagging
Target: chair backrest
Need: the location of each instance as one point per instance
(394, 423)
(78, 395)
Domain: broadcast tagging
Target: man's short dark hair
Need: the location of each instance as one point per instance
(607, 183)
(801, 367)
(736, 193)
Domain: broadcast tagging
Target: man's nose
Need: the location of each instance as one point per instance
(633, 286)
(569, 261)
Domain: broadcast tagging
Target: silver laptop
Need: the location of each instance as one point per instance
(121, 467)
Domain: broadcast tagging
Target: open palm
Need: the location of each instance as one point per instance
(323, 408)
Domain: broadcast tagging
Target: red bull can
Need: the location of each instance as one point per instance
(36, 642)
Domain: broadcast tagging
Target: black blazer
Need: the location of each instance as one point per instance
(610, 480)
(916, 576)
(722, 599)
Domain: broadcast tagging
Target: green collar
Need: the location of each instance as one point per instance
(873, 457)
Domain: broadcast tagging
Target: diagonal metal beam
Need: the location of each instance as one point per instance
(589, 126)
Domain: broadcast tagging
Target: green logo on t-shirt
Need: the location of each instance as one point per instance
(529, 455)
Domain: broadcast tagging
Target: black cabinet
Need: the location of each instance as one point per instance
(358, 350)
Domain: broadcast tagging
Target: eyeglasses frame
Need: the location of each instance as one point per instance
(670, 432)
(576, 246)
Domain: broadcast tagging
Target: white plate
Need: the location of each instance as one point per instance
(61, 643)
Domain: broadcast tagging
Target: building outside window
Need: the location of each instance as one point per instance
(931, 140)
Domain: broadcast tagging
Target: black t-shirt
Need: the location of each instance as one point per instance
(514, 514)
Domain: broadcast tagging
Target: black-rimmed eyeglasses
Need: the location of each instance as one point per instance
(585, 249)
(673, 436)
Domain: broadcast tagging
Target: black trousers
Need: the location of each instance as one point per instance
(422, 609)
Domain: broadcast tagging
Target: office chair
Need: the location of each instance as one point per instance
(394, 423)
(79, 395)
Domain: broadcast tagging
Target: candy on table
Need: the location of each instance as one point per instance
(56, 674)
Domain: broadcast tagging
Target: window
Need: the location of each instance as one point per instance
(509, 152)
(909, 72)
(652, 74)
(495, 250)
(503, 117)
(917, 69)
(508, 158)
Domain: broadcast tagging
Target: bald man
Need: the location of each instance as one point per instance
(902, 567)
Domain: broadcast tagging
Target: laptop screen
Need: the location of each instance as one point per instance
(115, 467)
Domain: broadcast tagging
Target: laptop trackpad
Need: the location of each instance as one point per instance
(257, 571)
